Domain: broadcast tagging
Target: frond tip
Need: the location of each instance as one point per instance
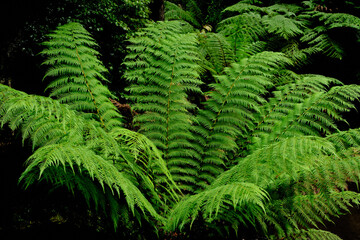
(77, 73)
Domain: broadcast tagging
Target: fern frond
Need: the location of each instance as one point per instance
(242, 7)
(162, 70)
(77, 74)
(319, 39)
(80, 159)
(176, 12)
(284, 160)
(304, 178)
(147, 162)
(293, 213)
(283, 26)
(241, 30)
(42, 120)
(69, 149)
(339, 20)
(345, 139)
(313, 114)
(218, 50)
(230, 110)
(321, 42)
(214, 201)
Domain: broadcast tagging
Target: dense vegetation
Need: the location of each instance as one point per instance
(227, 134)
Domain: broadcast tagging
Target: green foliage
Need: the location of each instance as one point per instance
(286, 27)
(266, 140)
(228, 134)
(78, 137)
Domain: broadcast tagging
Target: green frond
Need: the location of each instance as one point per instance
(80, 159)
(241, 30)
(218, 50)
(282, 160)
(147, 163)
(321, 42)
(283, 26)
(40, 119)
(343, 140)
(339, 20)
(176, 12)
(318, 37)
(76, 74)
(70, 148)
(242, 7)
(214, 201)
(159, 88)
(305, 109)
(299, 175)
(292, 214)
(231, 108)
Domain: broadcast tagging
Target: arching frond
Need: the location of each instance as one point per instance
(339, 20)
(312, 111)
(281, 160)
(70, 148)
(215, 201)
(242, 7)
(40, 119)
(176, 12)
(231, 108)
(290, 215)
(80, 159)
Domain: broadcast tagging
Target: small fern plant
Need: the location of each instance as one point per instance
(77, 138)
